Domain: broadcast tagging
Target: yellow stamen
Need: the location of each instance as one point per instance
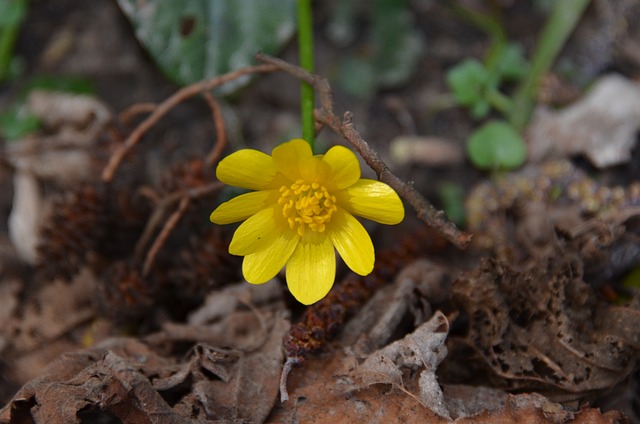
(307, 206)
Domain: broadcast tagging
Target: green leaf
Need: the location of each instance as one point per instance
(512, 63)
(390, 49)
(452, 197)
(12, 12)
(396, 42)
(357, 77)
(70, 84)
(468, 81)
(16, 122)
(197, 39)
(496, 145)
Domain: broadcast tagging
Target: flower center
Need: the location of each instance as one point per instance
(307, 206)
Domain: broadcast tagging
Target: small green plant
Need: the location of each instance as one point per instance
(498, 144)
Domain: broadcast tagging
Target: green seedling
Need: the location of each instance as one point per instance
(476, 85)
(496, 145)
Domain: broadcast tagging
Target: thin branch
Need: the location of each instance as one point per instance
(164, 234)
(164, 205)
(136, 109)
(221, 133)
(345, 128)
(167, 105)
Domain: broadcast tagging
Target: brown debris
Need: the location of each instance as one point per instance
(545, 329)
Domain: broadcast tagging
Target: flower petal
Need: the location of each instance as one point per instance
(247, 168)
(373, 200)
(314, 169)
(344, 165)
(257, 232)
(263, 265)
(287, 157)
(243, 206)
(352, 242)
(311, 270)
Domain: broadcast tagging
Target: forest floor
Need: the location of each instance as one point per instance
(119, 301)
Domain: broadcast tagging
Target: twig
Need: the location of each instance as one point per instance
(286, 369)
(136, 109)
(221, 133)
(164, 234)
(345, 128)
(161, 209)
(164, 107)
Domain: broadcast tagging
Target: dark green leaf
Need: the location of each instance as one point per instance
(197, 39)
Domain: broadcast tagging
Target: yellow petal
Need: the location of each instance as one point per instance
(263, 265)
(314, 169)
(287, 157)
(247, 168)
(344, 165)
(352, 242)
(311, 270)
(242, 207)
(256, 233)
(373, 200)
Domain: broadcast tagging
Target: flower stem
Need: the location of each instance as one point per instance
(560, 24)
(305, 47)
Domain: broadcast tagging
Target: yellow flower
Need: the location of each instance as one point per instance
(302, 208)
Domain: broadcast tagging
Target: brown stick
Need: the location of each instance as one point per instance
(162, 208)
(345, 128)
(221, 134)
(171, 102)
(164, 235)
(136, 109)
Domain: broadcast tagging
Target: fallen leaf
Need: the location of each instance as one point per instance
(603, 125)
(421, 350)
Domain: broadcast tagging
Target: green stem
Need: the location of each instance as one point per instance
(8, 35)
(305, 47)
(563, 19)
(499, 101)
(489, 25)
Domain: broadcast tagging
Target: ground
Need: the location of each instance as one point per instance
(119, 301)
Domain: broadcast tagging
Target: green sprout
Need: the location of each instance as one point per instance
(498, 145)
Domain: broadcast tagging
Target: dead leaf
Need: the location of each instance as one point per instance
(538, 329)
(65, 151)
(408, 299)
(26, 216)
(603, 125)
(420, 351)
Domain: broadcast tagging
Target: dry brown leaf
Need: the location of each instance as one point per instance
(603, 125)
(252, 390)
(545, 329)
(65, 156)
(420, 351)
(55, 310)
(419, 283)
